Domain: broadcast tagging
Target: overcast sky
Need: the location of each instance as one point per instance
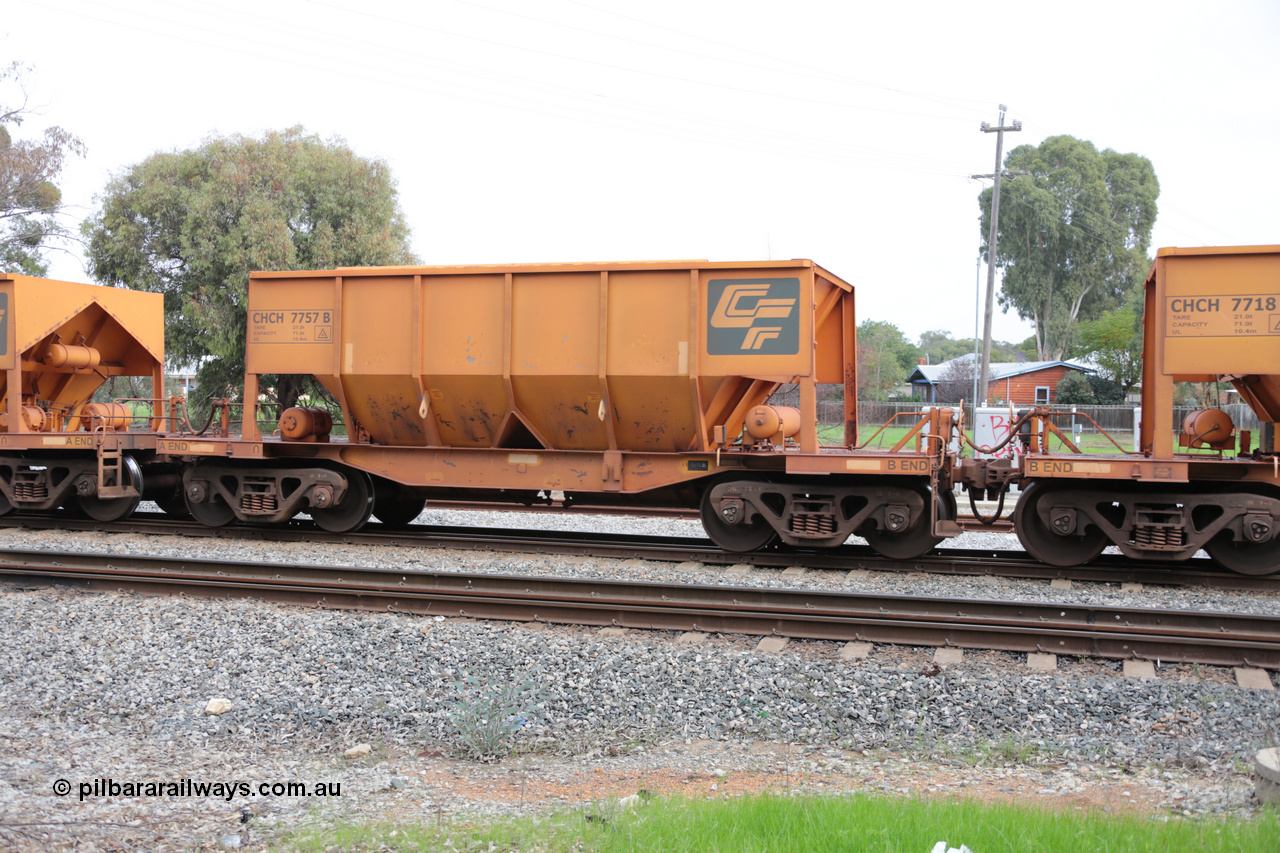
(599, 130)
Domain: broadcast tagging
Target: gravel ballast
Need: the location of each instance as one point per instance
(96, 686)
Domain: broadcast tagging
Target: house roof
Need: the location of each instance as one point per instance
(931, 373)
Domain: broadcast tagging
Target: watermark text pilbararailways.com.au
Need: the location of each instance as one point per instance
(195, 788)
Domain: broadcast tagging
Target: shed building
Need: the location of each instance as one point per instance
(1020, 383)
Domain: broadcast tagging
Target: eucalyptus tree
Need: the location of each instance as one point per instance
(193, 224)
(1073, 236)
(30, 200)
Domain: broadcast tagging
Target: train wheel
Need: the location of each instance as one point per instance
(950, 504)
(915, 541)
(1246, 558)
(6, 506)
(211, 512)
(174, 505)
(394, 506)
(735, 538)
(355, 509)
(1042, 542)
(114, 509)
(172, 501)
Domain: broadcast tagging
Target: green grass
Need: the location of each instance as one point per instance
(834, 434)
(1090, 442)
(818, 824)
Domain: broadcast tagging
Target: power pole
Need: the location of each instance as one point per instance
(977, 290)
(985, 366)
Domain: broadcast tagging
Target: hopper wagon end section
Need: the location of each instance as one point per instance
(60, 343)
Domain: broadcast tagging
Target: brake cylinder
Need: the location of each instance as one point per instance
(1207, 428)
(773, 422)
(69, 355)
(306, 423)
(113, 416)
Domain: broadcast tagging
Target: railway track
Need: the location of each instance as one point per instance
(1003, 524)
(1222, 639)
(953, 561)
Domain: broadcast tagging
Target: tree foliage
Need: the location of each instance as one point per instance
(1114, 343)
(955, 383)
(1202, 395)
(885, 358)
(193, 224)
(1105, 391)
(938, 347)
(30, 201)
(1074, 233)
(1074, 390)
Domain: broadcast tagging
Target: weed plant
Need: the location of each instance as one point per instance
(488, 715)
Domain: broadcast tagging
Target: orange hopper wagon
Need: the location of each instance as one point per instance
(641, 384)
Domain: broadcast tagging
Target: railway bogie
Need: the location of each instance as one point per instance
(1056, 518)
(742, 514)
(218, 493)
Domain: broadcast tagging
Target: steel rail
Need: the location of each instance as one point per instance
(1224, 639)
(950, 561)
(968, 522)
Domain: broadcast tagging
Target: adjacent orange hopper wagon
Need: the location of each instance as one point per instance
(1211, 316)
(1214, 315)
(59, 343)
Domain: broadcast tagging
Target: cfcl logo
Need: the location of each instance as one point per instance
(757, 315)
